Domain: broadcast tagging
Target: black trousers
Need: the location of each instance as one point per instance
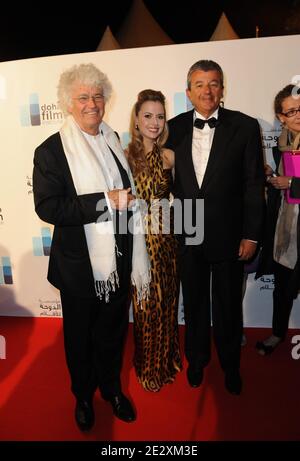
(94, 335)
(211, 292)
(283, 298)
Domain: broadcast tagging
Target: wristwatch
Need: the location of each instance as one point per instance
(290, 183)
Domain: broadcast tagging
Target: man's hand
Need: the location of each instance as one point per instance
(120, 199)
(247, 249)
(268, 170)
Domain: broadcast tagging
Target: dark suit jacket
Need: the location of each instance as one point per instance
(233, 184)
(57, 202)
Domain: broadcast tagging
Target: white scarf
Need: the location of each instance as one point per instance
(285, 250)
(88, 177)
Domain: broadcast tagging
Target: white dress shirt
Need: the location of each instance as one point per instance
(201, 146)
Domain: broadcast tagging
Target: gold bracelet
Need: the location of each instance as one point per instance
(290, 183)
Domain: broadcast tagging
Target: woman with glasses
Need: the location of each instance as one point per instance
(281, 253)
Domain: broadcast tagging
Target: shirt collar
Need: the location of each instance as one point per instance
(214, 114)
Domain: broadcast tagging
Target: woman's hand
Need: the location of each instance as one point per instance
(280, 182)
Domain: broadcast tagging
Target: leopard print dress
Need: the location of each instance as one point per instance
(157, 355)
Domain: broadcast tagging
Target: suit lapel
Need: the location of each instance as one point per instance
(184, 152)
(223, 134)
(62, 161)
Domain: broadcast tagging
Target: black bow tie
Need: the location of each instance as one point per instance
(199, 122)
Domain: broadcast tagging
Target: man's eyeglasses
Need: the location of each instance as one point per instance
(85, 99)
(291, 113)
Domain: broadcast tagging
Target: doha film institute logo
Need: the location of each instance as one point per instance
(5, 271)
(34, 114)
(42, 244)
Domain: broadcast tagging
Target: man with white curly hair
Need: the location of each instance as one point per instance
(83, 186)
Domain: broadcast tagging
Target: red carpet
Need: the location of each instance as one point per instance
(36, 403)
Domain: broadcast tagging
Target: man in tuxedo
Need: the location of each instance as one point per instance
(83, 186)
(218, 158)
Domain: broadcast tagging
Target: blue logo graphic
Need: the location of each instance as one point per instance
(5, 271)
(181, 103)
(125, 138)
(41, 245)
(30, 113)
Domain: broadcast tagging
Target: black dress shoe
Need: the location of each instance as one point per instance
(233, 382)
(266, 349)
(122, 408)
(195, 377)
(84, 415)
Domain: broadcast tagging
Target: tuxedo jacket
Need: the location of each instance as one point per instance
(233, 183)
(56, 202)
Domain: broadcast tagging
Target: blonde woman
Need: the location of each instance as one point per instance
(157, 356)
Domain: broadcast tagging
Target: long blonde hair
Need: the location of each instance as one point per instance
(136, 151)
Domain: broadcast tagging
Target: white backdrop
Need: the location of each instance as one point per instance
(255, 70)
